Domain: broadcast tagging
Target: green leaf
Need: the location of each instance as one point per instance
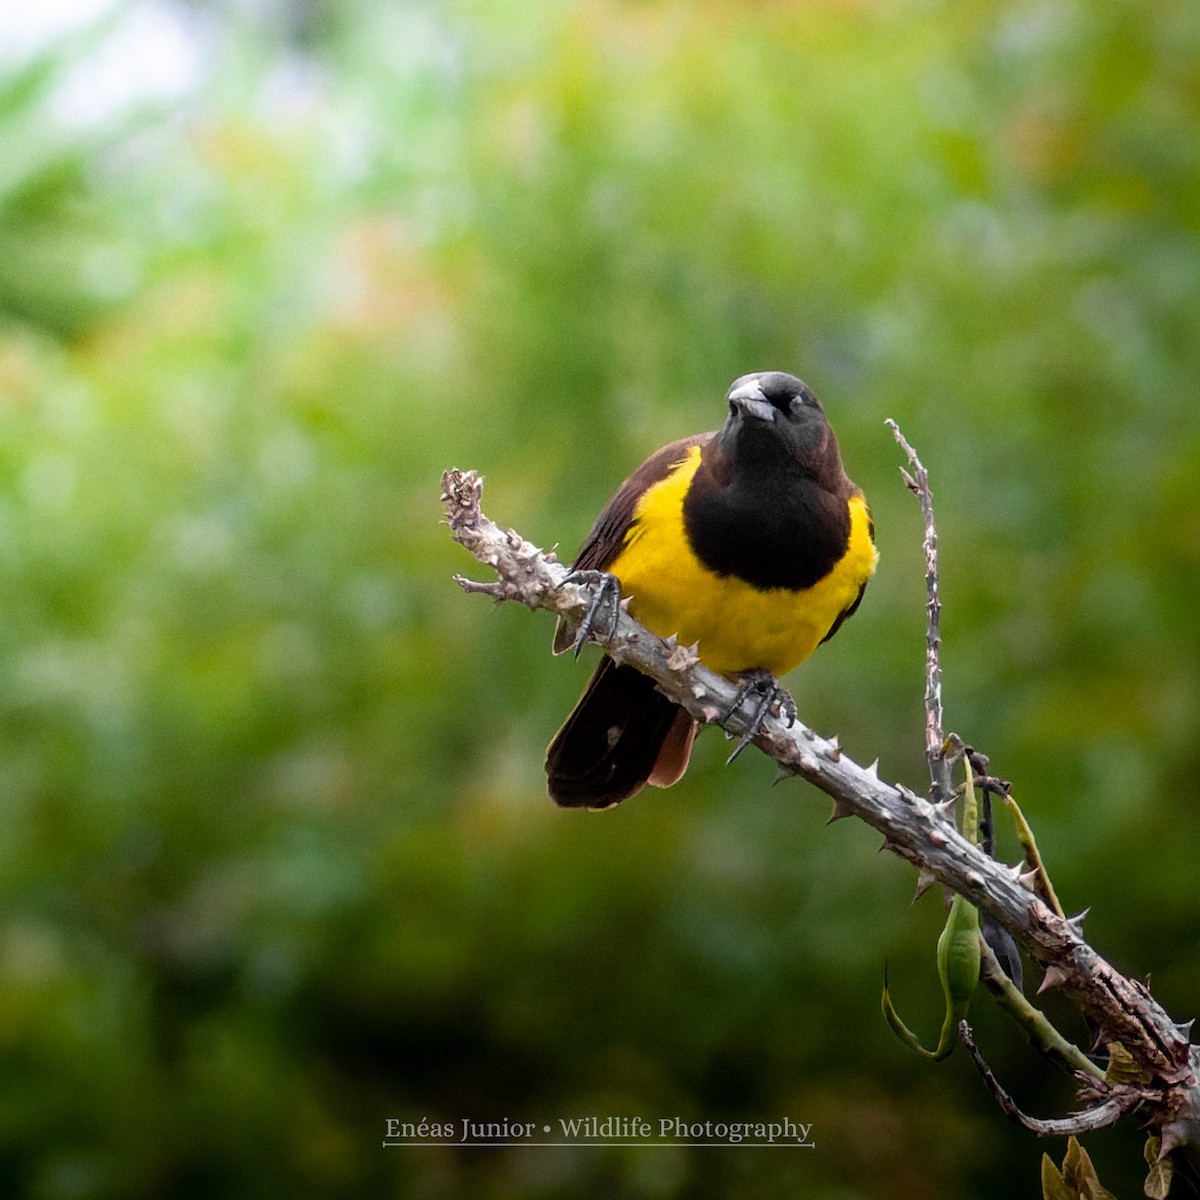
(1158, 1181)
(1054, 1187)
(1121, 1066)
(1076, 1181)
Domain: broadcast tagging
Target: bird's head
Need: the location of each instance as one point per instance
(772, 413)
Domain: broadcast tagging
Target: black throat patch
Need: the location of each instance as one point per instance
(772, 526)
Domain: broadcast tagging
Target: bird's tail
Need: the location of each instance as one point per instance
(623, 734)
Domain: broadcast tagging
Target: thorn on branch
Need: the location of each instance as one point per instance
(1054, 977)
(1075, 923)
(683, 658)
(925, 880)
(841, 810)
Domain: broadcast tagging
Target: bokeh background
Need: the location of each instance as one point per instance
(277, 861)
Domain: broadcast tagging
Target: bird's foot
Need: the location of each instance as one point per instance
(606, 602)
(762, 689)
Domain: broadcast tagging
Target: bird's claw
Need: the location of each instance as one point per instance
(607, 599)
(764, 686)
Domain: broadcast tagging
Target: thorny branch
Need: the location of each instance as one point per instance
(935, 739)
(1162, 1071)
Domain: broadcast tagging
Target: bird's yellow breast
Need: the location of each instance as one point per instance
(738, 627)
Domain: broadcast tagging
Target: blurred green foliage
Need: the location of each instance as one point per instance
(278, 863)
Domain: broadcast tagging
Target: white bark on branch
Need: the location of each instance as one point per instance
(1166, 1067)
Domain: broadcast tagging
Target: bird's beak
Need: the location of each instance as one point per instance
(749, 399)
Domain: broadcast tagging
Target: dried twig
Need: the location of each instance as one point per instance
(1097, 1117)
(935, 738)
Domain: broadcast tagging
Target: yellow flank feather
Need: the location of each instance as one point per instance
(738, 627)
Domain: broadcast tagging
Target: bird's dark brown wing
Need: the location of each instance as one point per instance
(607, 536)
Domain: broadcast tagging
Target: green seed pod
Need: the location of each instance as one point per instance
(958, 968)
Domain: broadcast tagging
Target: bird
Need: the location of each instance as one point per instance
(749, 542)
